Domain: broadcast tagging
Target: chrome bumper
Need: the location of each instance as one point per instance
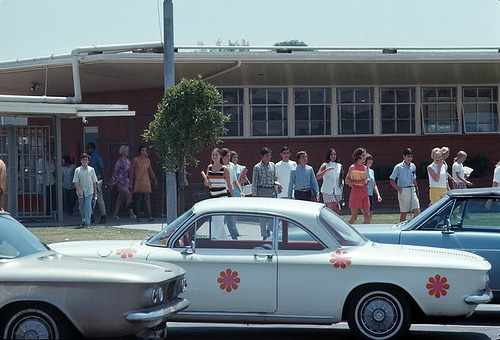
(477, 299)
(160, 313)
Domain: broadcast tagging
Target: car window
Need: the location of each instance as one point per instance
(17, 241)
(291, 236)
(343, 233)
(229, 231)
(480, 214)
(162, 237)
(439, 219)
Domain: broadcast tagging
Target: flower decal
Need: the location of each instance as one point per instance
(126, 252)
(228, 280)
(339, 259)
(438, 286)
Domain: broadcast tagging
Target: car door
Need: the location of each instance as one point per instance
(432, 232)
(225, 274)
(306, 281)
(478, 231)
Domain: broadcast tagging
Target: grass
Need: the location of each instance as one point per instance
(65, 234)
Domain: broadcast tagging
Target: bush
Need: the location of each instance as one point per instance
(481, 164)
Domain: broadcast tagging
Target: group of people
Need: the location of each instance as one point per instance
(297, 180)
(87, 181)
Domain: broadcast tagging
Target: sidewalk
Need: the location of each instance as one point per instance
(124, 222)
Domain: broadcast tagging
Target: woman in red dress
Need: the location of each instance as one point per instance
(358, 180)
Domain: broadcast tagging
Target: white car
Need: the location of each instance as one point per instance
(298, 262)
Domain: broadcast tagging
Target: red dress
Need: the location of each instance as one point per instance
(359, 193)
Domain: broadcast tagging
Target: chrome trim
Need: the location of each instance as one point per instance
(485, 297)
(266, 315)
(163, 312)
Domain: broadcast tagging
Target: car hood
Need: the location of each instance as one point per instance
(382, 233)
(52, 266)
(416, 256)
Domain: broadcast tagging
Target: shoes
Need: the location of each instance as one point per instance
(103, 220)
(151, 219)
(133, 217)
(137, 219)
(116, 217)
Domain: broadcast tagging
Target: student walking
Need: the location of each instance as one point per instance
(85, 181)
(459, 180)
(302, 180)
(404, 180)
(372, 186)
(332, 173)
(283, 170)
(121, 179)
(141, 178)
(438, 177)
(357, 178)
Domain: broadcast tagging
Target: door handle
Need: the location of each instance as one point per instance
(268, 256)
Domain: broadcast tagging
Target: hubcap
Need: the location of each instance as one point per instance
(32, 328)
(379, 315)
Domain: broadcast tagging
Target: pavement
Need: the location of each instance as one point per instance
(124, 222)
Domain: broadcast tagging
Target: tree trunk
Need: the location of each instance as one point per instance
(182, 187)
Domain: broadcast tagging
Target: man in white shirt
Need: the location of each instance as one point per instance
(283, 169)
(496, 176)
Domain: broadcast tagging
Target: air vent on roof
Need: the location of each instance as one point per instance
(389, 51)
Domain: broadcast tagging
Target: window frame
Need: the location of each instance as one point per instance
(284, 111)
(413, 114)
(437, 102)
(327, 116)
(476, 103)
(370, 104)
(240, 105)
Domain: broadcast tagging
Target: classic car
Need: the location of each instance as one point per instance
(465, 219)
(46, 295)
(298, 262)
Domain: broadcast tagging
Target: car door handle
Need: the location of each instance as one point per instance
(269, 256)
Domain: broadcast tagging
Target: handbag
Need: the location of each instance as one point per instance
(246, 188)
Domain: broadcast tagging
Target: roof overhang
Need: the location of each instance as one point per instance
(22, 109)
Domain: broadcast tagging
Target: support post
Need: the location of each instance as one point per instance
(169, 80)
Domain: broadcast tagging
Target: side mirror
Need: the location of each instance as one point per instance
(447, 227)
(189, 250)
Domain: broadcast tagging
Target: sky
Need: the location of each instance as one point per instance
(36, 28)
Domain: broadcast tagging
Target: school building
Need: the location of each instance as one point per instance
(307, 98)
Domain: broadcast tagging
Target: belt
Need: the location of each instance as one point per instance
(411, 186)
(303, 190)
(263, 187)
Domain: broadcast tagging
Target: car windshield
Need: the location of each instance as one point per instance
(17, 241)
(161, 238)
(417, 221)
(343, 233)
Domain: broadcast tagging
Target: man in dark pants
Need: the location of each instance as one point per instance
(96, 163)
(303, 181)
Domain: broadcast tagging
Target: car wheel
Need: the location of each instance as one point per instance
(378, 313)
(34, 323)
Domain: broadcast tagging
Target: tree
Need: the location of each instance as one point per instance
(185, 123)
(290, 43)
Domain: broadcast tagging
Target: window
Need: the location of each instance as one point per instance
(232, 105)
(293, 237)
(480, 109)
(439, 109)
(477, 214)
(355, 107)
(397, 107)
(439, 220)
(228, 232)
(313, 112)
(268, 112)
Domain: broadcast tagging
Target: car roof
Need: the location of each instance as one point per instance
(278, 206)
(475, 192)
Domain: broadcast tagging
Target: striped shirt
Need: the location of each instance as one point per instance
(218, 187)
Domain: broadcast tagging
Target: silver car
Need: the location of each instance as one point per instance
(46, 295)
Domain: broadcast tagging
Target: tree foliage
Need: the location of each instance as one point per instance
(290, 43)
(186, 123)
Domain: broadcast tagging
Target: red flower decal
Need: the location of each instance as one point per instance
(339, 259)
(126, 252)
(228, 280)
(438, 286)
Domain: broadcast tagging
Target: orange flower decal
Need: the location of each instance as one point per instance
(228, 280)
(126, 252)
(339, 259)
(438, 286)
